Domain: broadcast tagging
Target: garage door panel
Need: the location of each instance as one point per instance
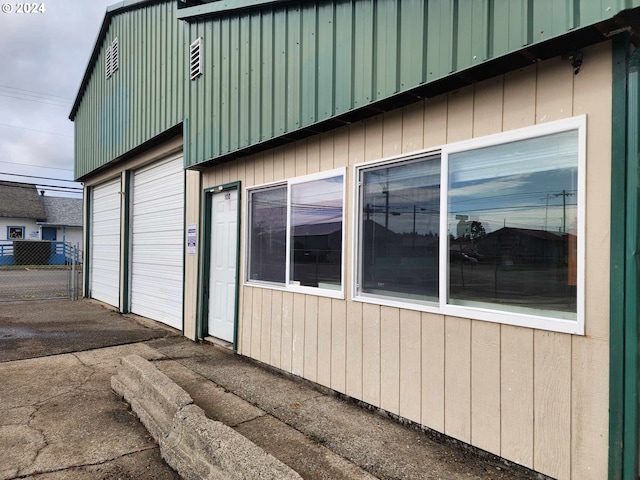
(104, 260)
(158, 241)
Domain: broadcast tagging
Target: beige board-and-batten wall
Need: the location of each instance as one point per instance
(534, 397)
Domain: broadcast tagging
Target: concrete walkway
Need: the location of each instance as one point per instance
(60, 419)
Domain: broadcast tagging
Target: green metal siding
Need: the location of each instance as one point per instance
(274, 69)
(143, 98)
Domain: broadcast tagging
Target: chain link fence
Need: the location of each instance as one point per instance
(38, 270)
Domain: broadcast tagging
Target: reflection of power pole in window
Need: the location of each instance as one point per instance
(564, 196)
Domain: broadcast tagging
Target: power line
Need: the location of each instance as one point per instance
(34, 130)
(66, 105)
(39, 166)
(58, 188)
(31, 91)
(39, 178)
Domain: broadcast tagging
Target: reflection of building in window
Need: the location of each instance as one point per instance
(15, 233)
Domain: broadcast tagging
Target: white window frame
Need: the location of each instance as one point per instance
(541, 322)
(288, 285)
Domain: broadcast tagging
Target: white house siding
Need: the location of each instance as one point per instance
(534, 397)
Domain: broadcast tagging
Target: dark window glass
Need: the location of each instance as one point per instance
(15, 232)
(399, 230)
(316, 233)
(268, 234)
(512, 221)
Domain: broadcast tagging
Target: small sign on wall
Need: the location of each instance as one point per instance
(192, 230)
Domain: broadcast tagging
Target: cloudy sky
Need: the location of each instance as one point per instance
(42, 60)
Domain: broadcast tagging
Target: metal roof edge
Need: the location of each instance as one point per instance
(187, 12)
(111, 11)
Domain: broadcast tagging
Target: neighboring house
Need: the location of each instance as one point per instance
(63, 220)
(385, 124)
(21, 210)
(28, 215)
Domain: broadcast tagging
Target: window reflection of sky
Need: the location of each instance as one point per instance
(541, 201)
(529, 183)
(317, 201)
(413, 197)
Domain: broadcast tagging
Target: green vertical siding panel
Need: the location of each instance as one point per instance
(411, 40)
(234, 81)
(551, 18)
(309, 70)
(255, 79)
(480, 32)
(439, 39)
(244, 111)
(386, 48)
(326, 49)
(267, 75)
(225, 87)
(280, 72)
(215, 45)
(344, 57)
(463, 22)
(363, 53)
(294, 63)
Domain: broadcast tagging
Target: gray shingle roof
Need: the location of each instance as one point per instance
(20, 200)
(63, 211)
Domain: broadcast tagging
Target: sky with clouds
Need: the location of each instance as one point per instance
(43, 57)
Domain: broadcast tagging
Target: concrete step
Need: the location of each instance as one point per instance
(316, 433)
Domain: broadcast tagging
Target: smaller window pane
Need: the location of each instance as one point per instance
(268, 234)
(399, 227)
(316, 233)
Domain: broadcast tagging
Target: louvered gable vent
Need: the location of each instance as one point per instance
(195, 58)
(111, 59)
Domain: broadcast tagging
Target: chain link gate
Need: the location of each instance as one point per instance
(39, 270)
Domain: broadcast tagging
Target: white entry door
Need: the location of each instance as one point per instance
(222, 265)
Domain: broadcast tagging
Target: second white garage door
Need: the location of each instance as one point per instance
(157, 241)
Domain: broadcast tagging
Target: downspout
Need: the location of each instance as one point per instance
(624, 332)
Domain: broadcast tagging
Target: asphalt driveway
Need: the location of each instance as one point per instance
(42, 328)
(59, 418)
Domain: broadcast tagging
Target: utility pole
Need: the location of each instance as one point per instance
(564, 196)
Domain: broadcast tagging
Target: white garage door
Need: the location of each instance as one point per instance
(157, 241)
(104, 261)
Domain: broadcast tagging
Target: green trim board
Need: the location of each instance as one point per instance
(204, 280)
(184, 242)
(126, 246)
(87, 240)
(632, 337)
(625, 201)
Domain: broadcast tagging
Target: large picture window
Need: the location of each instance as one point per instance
(490, 228)
(512, 225)
(296, 234)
